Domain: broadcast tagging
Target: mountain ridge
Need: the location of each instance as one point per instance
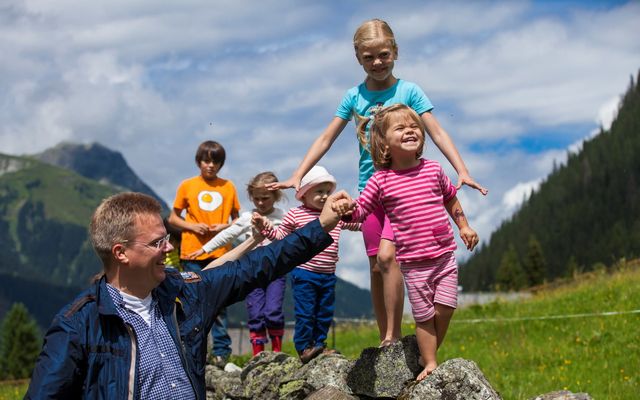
(96, 161)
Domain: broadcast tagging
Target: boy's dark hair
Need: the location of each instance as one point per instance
(211, 151)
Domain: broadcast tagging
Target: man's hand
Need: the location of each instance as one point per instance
(328, 217)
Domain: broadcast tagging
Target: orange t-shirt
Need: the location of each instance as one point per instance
(208, 202)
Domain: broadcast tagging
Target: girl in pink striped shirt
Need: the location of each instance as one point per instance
(418, 199)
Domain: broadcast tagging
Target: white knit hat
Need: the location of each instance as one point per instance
(315, 176)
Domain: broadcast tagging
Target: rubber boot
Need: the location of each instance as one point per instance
(276, 344)
(257, 347)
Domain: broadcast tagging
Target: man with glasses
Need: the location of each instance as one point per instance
(140, 330)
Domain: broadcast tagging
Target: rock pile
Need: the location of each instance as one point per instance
(387, 373)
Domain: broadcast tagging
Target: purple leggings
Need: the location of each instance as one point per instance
(264, 307)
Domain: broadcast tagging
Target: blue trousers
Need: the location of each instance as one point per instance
(221, 339)
(314, 301)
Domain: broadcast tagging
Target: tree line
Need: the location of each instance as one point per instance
(586, 213)
(20, 341)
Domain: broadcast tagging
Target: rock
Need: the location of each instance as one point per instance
(378, 373)
(223, 385)
(563, 395)
(456, 379)
(384, 372)
(326, 370)
(294, 390)
(330, 393)
(264, 374)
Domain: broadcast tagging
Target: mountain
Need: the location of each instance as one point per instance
(44, 215)
(94, 161)
(585, 214)
(45, 210)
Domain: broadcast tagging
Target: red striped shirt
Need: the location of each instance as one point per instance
(325, 261)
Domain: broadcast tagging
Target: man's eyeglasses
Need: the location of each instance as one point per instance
(156, 244)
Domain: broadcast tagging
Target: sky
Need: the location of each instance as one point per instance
(516, 85)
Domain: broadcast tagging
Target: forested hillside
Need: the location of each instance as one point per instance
(586, 212)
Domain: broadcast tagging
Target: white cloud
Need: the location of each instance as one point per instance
(152, 80)
(514, 197)
(608, 112)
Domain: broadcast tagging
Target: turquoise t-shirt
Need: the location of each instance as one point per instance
(359, 100)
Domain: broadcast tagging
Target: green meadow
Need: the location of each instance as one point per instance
(558, 339)
(562, 338)
(580, 336)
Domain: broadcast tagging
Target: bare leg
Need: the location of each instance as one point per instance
(377, 296)
(442, 319)
(428, 344)
(393, 291)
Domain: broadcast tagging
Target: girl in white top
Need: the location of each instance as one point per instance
(264, 305)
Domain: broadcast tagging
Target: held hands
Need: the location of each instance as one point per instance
(257, 235)
(465, 179)
(329, 218)
(469, 237)
(344, 207)
(261, 223)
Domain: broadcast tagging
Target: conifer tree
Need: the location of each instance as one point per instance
(19, 343)
(572, 269)
(510, 274)
(535, 263)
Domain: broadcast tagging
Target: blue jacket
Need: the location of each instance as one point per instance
(89, 352)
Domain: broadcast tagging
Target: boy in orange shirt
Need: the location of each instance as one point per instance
(208, 203)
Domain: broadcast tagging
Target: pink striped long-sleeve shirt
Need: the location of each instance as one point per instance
(325, 261)
(414, 200)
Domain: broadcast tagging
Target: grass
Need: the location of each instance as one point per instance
(524, 357)
(523, 353)
(13, 390)
(594, 354)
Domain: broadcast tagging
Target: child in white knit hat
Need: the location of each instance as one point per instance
(313, 283)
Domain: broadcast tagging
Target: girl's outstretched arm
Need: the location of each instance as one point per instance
(443, 141)
(318, 149)
(237, 251)
(469, 236)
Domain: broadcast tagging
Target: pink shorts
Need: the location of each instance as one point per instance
(429, 282)
(375, 227)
